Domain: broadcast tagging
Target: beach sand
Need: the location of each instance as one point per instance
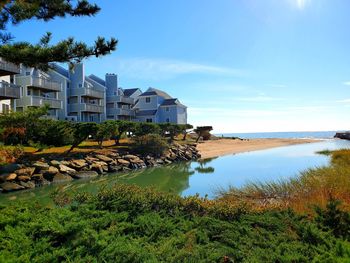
(215, 148)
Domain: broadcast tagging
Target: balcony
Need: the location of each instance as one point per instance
(120, 112)
(88, 92)
(9, 91)
(35, 101)
(41, 83)
(86, 107)
(8, 68)
(120, 99)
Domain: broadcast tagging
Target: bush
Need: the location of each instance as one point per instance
(13, 135)
(10, 154)
(152, 144)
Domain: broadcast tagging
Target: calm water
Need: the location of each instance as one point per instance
(290, 135)
(207, 176)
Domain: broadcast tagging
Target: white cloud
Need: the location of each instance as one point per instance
(149, 68)
(344, 101)
(346, 83)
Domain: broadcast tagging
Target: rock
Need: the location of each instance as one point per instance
(28, 185)
(23, 178)
(90, 159)
(131, 157)
(9, 187)
(37, 177)
(104, 158)
(65, 169)
(29, 171)
(60, 178)
(11, 177)
(51, 171)
(55, 163)
(41, 165)
(99, 167)
(9, 168)
(167, 161)
(123, 162)
(87, 174)
(79, 164)
(114, 168)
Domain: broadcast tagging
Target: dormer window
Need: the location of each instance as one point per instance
(148, 99)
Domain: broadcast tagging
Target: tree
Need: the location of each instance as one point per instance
(40, 55)
(25, 124)
(82, 131)
(106, 130)
(185, 128)
(202, 130)
(144, 128)
(123, 127)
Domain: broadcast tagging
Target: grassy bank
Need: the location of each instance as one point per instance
(312, 187)
(130, 224)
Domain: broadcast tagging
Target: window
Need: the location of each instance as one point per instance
(149, 120)
(29, 92)
(167, 120)
(28, 73)
(167, 109)
(5, 108)
(91, 118)
(148, 99)
(80, 85)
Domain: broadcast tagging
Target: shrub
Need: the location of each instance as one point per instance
(152, 144)
(13, 135)
(144, 128)
(10, 154)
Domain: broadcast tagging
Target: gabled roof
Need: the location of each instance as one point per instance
(97, 79)
(153, 91)
(172, 102)
(146, 113)
(129, 92)
(64, 72)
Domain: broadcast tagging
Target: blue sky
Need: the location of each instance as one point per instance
(240, 66)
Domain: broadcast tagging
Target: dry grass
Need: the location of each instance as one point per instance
(312, 187)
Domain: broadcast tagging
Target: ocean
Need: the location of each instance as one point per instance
(284, 135)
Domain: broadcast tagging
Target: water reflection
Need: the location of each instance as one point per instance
(205, 176)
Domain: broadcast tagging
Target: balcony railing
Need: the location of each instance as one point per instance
(9, 91)
(89, 92)
(35, 101)
(122, 112)
(87, 107)
(43, 83)
(8, 68)
(120, 99)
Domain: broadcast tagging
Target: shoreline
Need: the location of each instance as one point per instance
(222, 147)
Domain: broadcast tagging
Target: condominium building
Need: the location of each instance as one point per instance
(8, 90)
(71, 95)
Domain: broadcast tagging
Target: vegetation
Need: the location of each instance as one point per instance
(203, 131)
(130, 224)
(42, 54)
(152, 144)
(312, 187)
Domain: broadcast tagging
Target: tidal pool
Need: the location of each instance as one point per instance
(203, 177)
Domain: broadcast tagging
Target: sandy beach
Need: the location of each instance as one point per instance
(222, 147)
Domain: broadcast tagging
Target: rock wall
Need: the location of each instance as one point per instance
(44, 171)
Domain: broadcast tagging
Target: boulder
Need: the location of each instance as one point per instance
(28, 185)
(114, 168)
(55, 163)
(87, 174)
(60, 178)
(123, 162)
(129, 157)
(37, 177)
(90, 159)
(51, 171)
(79, 164)
(29, 171)
(99, 167)
(65, 169)
(104, 158)
(41, 165)
(11, 177)
(9, 187)
(23, 178)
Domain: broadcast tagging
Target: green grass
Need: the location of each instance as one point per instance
(130, 224)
